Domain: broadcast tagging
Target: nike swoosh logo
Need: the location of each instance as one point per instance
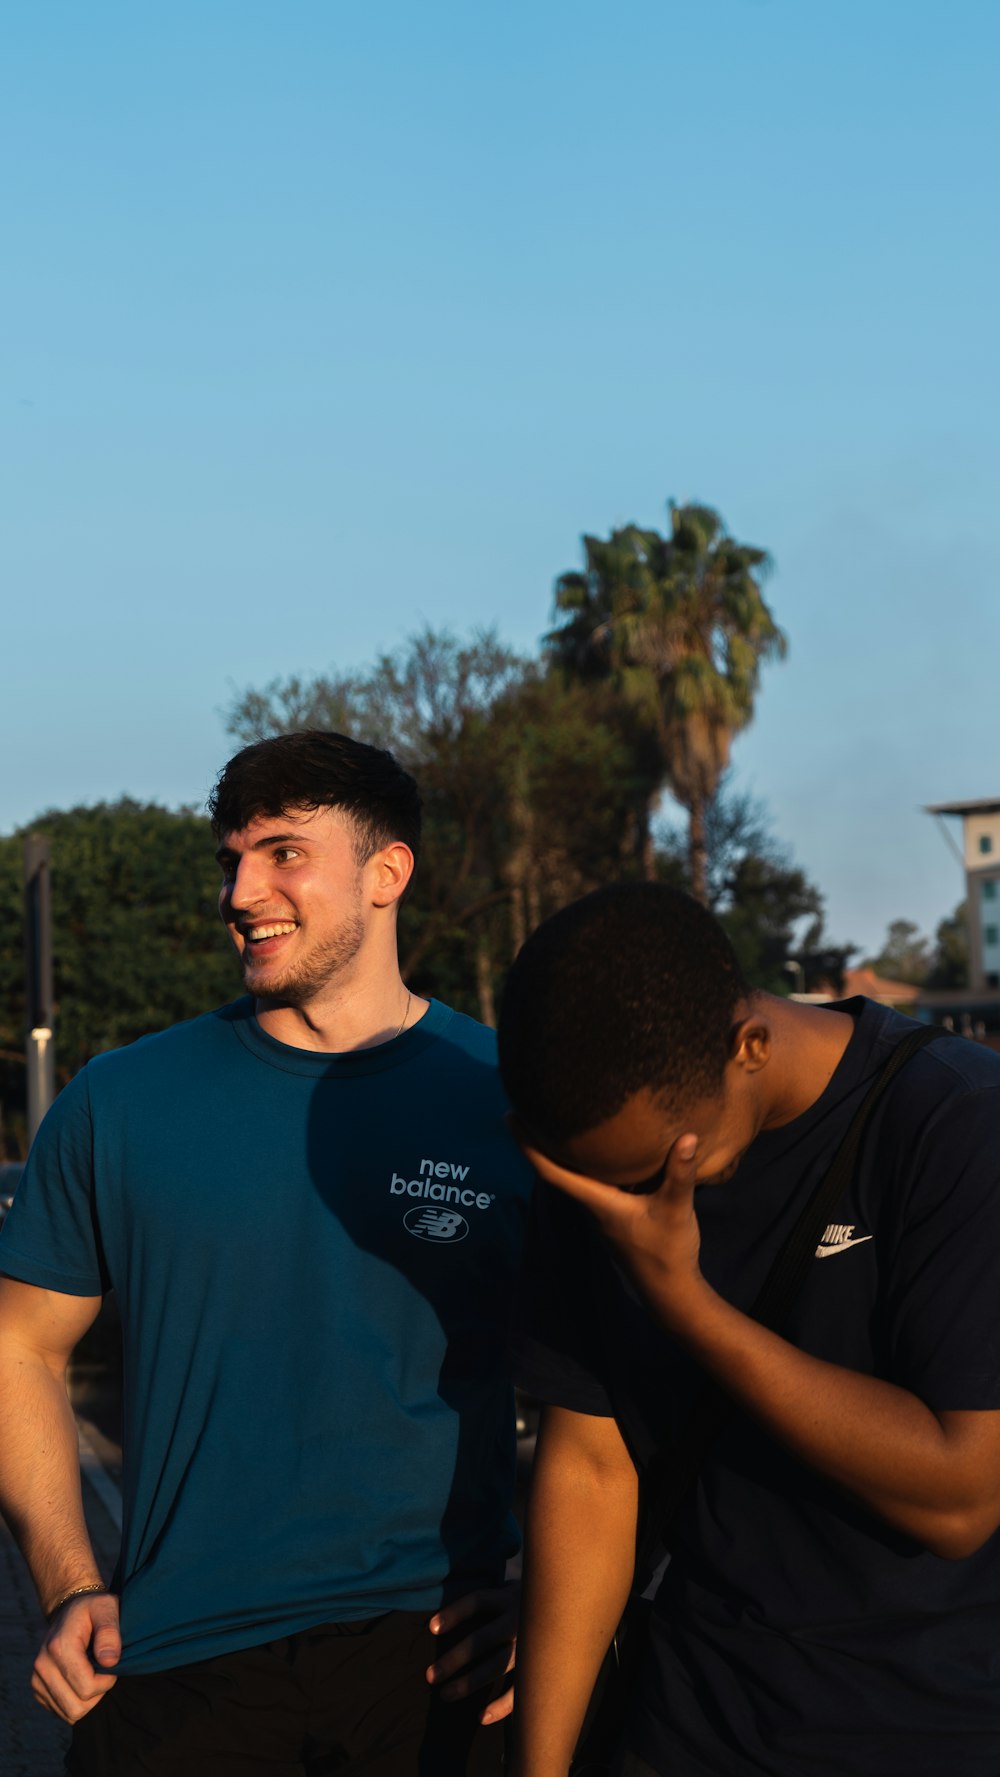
(842, 1246)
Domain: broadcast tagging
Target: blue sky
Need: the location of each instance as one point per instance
(321, 322)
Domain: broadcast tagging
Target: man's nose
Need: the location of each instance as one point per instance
(249, 886)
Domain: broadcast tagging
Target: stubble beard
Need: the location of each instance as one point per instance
(306, 979)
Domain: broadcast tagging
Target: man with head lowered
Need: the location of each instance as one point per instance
(832, 1605)
(311, 1213)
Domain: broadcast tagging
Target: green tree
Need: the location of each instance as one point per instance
(137, 942)
(680, 626)
(950, 961)
(754, 888)
(525, 782)
(905, 955)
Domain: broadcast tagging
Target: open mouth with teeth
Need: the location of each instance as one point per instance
(262, 940)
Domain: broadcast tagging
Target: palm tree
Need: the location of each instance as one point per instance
(680, 627)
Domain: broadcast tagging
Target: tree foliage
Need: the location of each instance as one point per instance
(539, 779)
(905, 955)
(771, 911)
(950, 961)
(680, 627)
(527, 789)
(531, 780)
(137, 941)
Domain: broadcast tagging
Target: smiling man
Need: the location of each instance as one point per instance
(832, 1605)
(312, 1213)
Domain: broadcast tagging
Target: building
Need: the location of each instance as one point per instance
(981, 857)
(864, 981)
(975, 1009)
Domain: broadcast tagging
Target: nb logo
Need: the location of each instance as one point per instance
(436, 1224)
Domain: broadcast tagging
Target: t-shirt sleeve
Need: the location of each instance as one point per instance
(944, 1324)
(557, 1345)
(50, 1236)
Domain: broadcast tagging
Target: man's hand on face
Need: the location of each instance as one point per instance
(82, 1638)
(657, 1232)
(485, 1653)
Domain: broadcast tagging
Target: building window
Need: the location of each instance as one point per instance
(985, 842)
(990, 890)
(992, 934)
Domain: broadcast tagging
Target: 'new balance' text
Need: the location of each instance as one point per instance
(432, 1186)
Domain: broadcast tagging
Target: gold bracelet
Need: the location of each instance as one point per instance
(93, 1589)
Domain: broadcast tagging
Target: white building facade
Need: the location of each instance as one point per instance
(981, 856)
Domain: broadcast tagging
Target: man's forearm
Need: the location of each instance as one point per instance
(580, 1551)
(933, 1474)
(40, 1477)
(922, 1473)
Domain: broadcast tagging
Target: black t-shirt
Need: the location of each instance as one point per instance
(795, 1632)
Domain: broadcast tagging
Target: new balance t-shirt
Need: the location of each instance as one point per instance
(315, 1258)
(795, 1634)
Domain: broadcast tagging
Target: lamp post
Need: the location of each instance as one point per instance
(39, 1045)
(797, 973)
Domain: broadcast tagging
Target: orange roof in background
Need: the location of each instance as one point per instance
(876, 987)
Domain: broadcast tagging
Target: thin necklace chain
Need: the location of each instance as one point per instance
(406, 1014)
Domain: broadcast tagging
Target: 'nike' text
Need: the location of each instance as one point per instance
(838, 1237)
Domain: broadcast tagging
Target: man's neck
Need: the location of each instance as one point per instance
(353, 1015)
(809, 1043)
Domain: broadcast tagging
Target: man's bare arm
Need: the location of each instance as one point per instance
(935, 1476)
(579, 1559)
(40, 1490)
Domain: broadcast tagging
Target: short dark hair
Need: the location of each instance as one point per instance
(633, 986)
(316, 768)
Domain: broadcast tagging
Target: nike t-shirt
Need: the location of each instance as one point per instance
(315, 1257)
(794, 1633)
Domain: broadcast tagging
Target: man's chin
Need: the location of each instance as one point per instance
(723, 1177)
(270, 987)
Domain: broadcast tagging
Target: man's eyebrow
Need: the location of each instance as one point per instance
(226, 851)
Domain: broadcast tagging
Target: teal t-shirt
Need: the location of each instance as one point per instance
(315, 1257)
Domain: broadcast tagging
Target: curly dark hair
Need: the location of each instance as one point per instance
(633, 986)
(316, 768)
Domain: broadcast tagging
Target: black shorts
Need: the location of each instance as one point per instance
(342, 1698)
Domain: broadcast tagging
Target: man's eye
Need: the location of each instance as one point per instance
(285, 854)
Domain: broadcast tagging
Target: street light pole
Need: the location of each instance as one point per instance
(795, 969)
(40, 1044)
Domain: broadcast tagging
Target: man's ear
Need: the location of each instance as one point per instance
(750, 1040)
(391, 870)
